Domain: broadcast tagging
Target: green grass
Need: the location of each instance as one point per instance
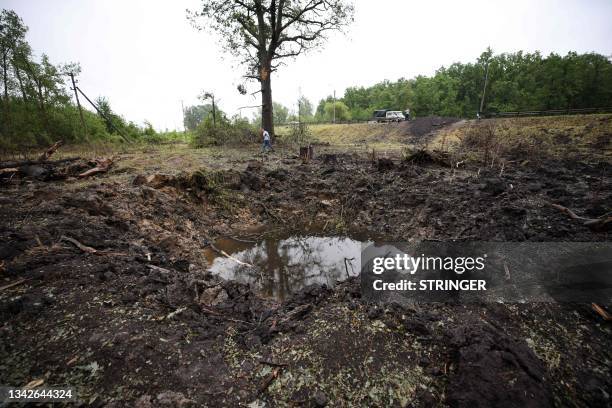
(391, 136)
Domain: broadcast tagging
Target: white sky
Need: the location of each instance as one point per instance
(146, 57)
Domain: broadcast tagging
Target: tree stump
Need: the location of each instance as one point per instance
(306, 153)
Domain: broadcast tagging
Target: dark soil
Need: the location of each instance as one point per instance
(420, 127)
(142, 323)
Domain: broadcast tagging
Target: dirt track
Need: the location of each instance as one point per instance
(141, 322)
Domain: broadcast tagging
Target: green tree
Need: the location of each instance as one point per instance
(280, 113)
(194, 115)
(305, 109)
(341, 111)
(264, 33)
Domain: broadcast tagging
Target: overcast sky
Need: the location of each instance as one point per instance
(146, 57)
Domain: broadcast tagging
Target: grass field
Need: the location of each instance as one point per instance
(389, 135)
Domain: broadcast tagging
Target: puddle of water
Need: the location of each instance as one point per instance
(282, 266)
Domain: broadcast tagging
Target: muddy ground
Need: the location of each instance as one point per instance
(138, 320)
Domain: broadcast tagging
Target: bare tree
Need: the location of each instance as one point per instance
(262, 33)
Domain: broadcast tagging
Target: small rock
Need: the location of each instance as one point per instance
(319, 399)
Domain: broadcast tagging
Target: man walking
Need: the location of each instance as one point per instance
(267, 145)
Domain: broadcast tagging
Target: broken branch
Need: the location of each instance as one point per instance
(225, 254)
(10, 285)
(76, 243)
(15, 164)
(102, 167)
(45, 156)
(597, 224)
(601, 311)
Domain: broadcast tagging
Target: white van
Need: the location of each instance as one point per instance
(395, 116)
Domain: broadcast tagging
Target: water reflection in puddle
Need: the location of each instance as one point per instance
(284, 266)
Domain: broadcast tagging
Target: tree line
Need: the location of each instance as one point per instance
(515, 82)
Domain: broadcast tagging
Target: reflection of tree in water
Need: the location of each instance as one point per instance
(285, 266)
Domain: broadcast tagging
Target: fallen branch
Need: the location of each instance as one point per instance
(10, 285)
(596, 224)
(13, 164)
(102, 167)
(45, 156)
(76, 243)
(601, 311)
(9, 170)
(269, 380)
(346, 267)
(225, 254)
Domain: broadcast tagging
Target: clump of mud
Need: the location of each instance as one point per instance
(422, 157)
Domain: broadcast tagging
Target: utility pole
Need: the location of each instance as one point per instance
(214, 111)
(76, 95)
(108, 120)
(484, 89)
(183, 110)
(334, 106)
(299, 105)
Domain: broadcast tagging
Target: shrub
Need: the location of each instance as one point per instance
(224, 132)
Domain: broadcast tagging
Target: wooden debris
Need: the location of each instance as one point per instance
(306, 153)
(602, 312)
(102, 166)
(297, 313)
(76, 243)
(225, 254)
(176, 312)
(348, 275)
(12, 284)
(506, 271)
(596, 224)
(34, 384)
(17, 164)
(45, 156)
(269, 380)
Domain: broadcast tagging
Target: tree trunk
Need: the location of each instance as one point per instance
(6, 111)
(266, 99)
(5, 71)
(18, 75)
